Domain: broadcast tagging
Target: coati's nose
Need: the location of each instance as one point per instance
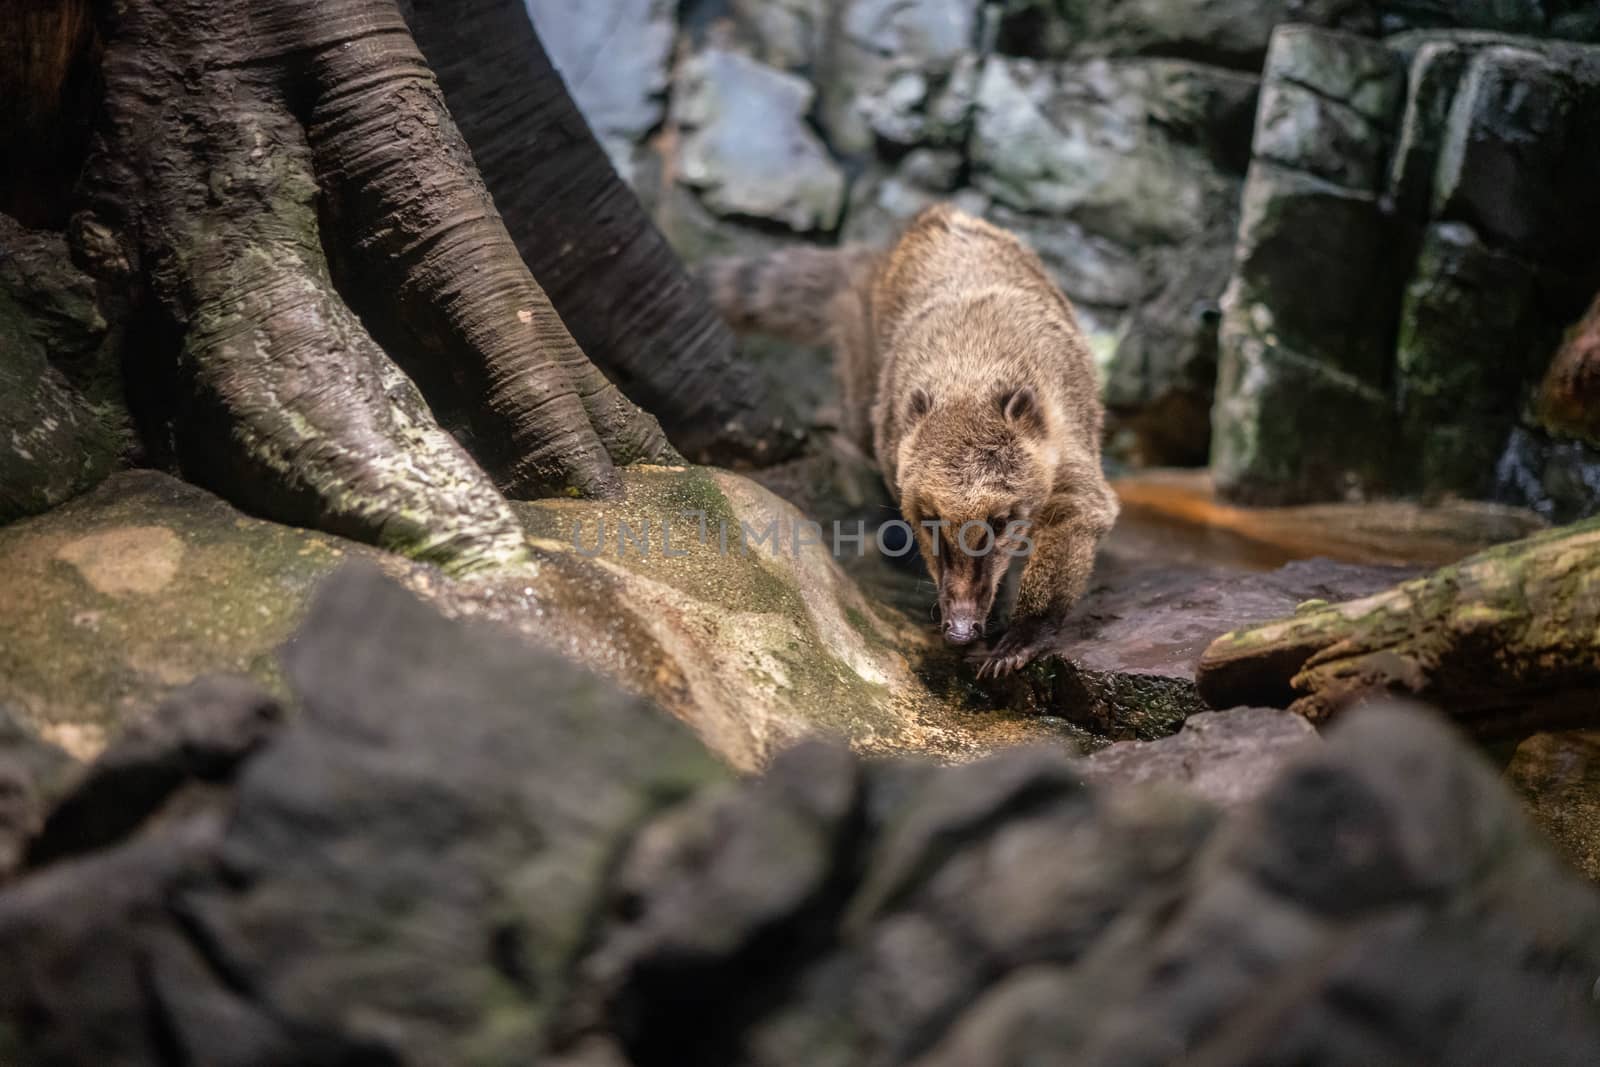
(960, 629)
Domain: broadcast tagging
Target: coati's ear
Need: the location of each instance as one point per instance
(919, 404)
(1020, 406)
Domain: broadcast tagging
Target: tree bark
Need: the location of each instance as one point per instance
(1507, 641)
(254, 167)
(617, 284)
(1569, 398)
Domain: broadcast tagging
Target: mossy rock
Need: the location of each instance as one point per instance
(143, 584)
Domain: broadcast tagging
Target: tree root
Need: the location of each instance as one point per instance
(253, 169)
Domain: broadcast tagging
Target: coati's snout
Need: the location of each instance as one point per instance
(968, 561)
(965, 594)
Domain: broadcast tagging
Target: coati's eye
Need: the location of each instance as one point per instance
(919, 404)
(998, 524)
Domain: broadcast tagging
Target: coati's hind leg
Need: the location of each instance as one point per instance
(1055, 576)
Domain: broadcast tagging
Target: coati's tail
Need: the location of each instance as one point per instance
(786, 293)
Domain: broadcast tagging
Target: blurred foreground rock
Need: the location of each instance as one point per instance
(1558, 777)
(459, 850)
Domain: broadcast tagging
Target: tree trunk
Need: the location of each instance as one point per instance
(280, 190)
(1507, 641)
(617, 284)
(1569, 398)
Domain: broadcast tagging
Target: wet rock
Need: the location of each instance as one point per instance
(63, 426)
(33, 773)
(613, 57)
(746, 148)
(1127, 662)
(1227, 757)
(1558, 777)
(754, 646)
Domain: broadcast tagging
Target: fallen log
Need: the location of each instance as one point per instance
(1507, 641)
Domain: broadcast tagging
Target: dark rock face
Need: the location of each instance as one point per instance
(1415, 235)
(458, 851)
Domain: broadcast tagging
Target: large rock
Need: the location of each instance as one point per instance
(613, 56)
(1328, 103)
(746, 148)
(129, 592)
(1126, 664)
(448, 799)
(1323, 341)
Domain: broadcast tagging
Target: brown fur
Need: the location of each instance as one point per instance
(964, 371)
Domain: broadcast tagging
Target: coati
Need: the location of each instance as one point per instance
(963, 370)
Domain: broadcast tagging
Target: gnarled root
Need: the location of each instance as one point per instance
(235, 141)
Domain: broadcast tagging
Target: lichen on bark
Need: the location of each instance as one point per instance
(1508, 639)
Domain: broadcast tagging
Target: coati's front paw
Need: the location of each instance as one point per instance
(1026, 640)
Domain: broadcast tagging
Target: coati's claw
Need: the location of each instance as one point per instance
(1026, 640)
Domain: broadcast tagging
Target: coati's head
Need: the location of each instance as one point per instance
(974, 472)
